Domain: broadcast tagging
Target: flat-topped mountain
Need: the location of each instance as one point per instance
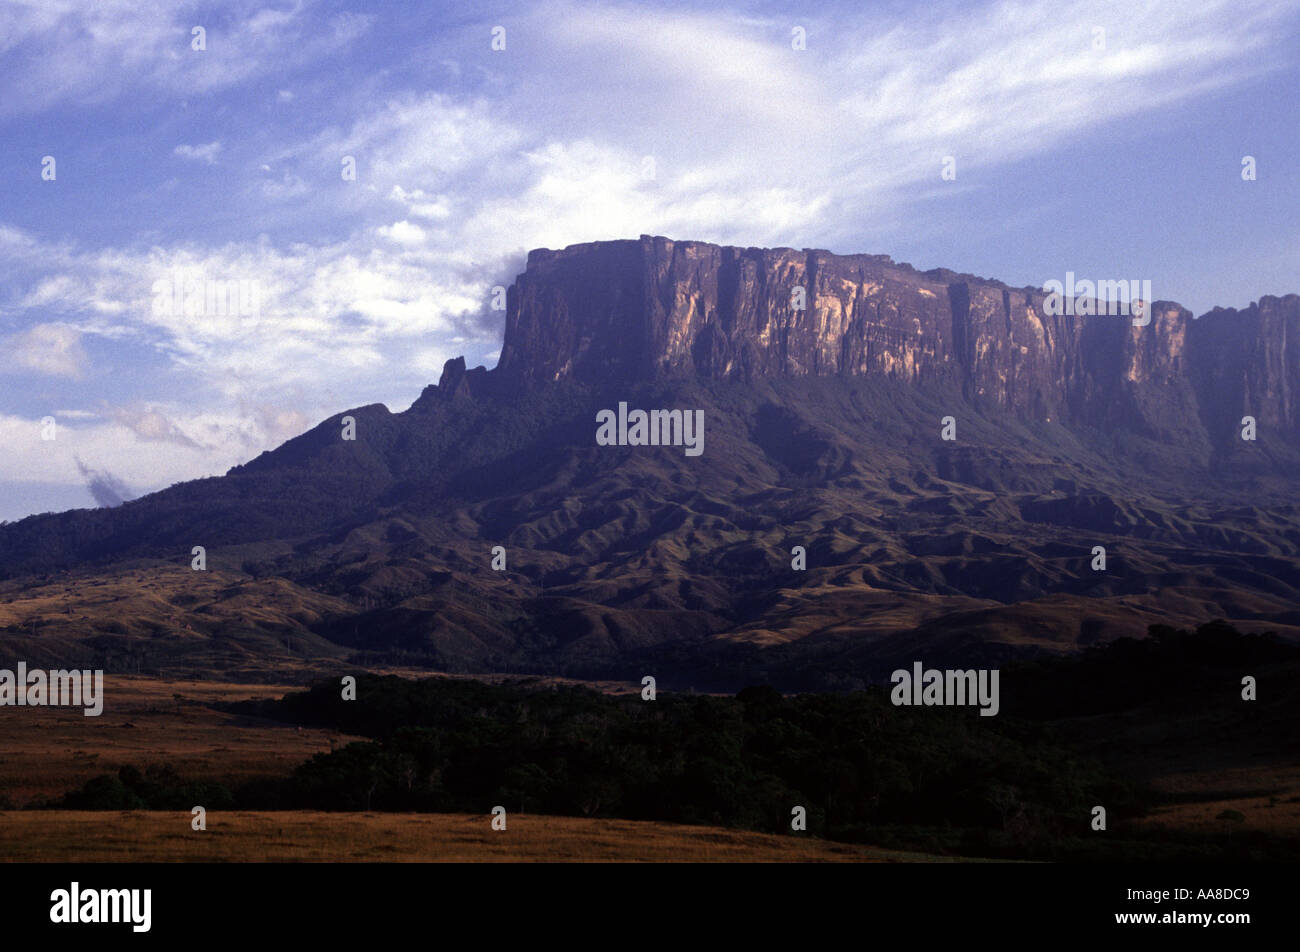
(822, 382)
(629, 310)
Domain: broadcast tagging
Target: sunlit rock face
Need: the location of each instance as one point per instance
(628, 310)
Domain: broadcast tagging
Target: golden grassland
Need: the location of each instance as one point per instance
(1267, 797)
(146, 598)
(310, 836)
(51, 750)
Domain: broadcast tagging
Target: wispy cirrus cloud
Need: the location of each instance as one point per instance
(58, 52)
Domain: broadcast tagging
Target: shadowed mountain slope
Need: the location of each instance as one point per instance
(822, 430)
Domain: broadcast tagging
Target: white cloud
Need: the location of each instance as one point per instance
(108, 446)
(341, 306)
(199, 153)
(755, 142)
(287, 187)
(53, 349)
(57, 51)
(403, 233)
(151, 424)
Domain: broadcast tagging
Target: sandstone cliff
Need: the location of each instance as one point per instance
(632, 309)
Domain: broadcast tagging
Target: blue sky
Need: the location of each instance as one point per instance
(598, 120)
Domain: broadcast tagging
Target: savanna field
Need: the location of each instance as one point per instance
(411, 770)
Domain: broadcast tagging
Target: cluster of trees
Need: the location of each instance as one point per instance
(158, 787)
(1167, 673)
(854, 762)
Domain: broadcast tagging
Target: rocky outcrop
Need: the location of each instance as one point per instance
(626, 310)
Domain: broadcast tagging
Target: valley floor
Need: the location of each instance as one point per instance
(141, 836)
(46, 752)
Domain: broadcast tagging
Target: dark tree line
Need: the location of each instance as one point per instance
(938, 778)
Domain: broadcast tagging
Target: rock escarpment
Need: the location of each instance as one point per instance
(635, 309)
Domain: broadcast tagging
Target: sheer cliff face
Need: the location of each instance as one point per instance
(625, 310)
